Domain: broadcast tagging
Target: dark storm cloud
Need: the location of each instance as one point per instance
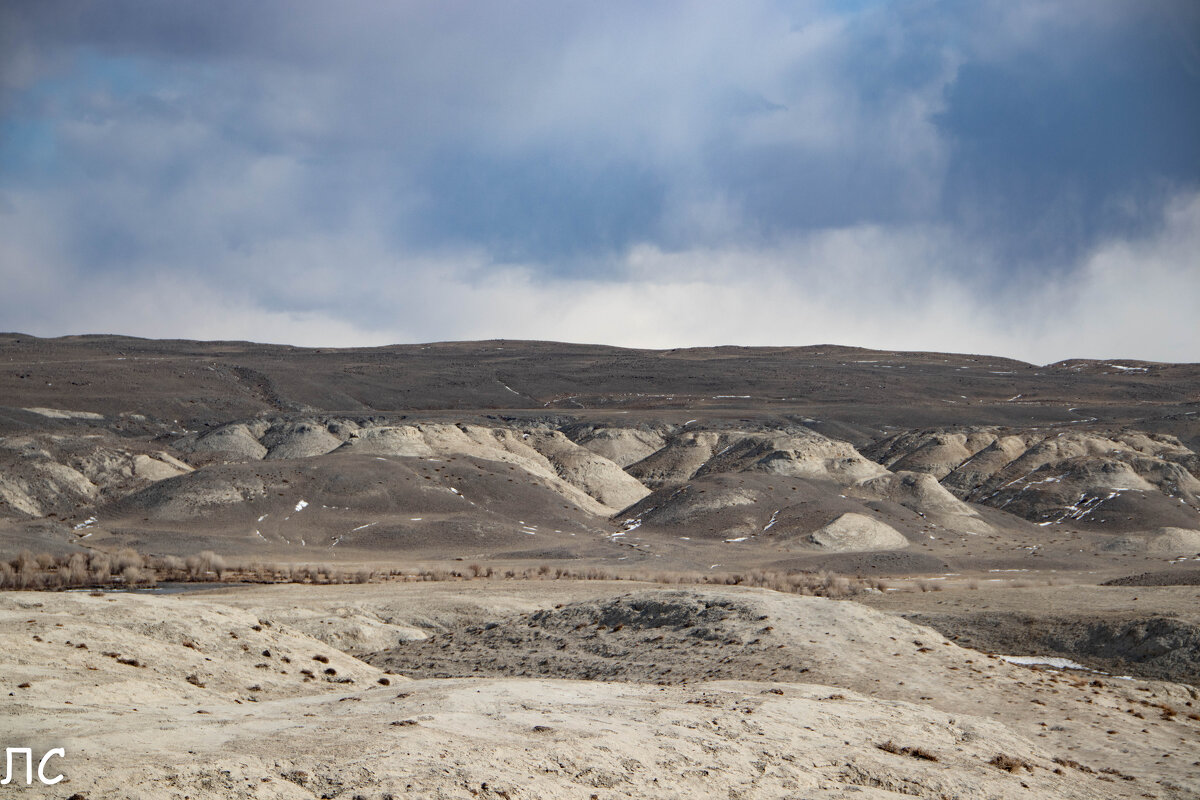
(1080, 133)
(303, 161)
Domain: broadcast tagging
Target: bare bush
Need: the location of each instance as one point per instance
(1010, 763)
(127, 557)
(912, 752)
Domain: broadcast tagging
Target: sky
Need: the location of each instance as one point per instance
(1011, 177)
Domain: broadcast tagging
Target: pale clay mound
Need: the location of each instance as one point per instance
(803, 454)
(1162, 542)
(598, 484)
(351, 629)
(45, 473)
(853, 533)
(139, 731)
(583, 477)
(923, 494)
(234, 441)
(1174, 542)
(1058, 476)
(622, 446)
(299, 440)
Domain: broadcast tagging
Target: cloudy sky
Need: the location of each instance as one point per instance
(1018, 177)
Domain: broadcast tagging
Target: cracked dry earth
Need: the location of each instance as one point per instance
(228, 699)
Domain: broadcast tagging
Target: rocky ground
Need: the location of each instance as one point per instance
(220, 694)
(1020, 510)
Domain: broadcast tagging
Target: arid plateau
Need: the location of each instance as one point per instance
(514, 569)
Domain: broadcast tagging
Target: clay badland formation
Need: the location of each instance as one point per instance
(965, 509)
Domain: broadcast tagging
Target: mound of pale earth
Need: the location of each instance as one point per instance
(1174, 542)
(581, 475)
(679, 459)
(1124, 544)
(769, 512)
(143, 733)
(852, 533)
(1120, 481)
(299, 440)
(1163, 542)
(56, 474)
(679, 637)
(594, 474)
(350, 629)
(796, 453)
(686, 504)
(924, 495)
(936, 453)
(236, 442)
(319, 508)
(622, 446)
(125, 650)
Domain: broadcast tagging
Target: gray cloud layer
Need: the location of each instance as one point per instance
(1020, 178)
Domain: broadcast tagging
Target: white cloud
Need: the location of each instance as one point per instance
(270, 183)
(890, 288)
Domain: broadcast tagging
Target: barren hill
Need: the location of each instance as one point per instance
(1030, 511)
(817, 456)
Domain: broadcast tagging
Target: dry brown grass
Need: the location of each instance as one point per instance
(128, 569)
(1010, 763)
(1068, 762)
(913, 752)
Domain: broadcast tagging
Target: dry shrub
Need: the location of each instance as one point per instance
(126, 558)
(25, 561)
(1010, 763)
(913, 752)
(205, 564)
(1067, 762)
(75, 573)
(133, 576)
(98, 569)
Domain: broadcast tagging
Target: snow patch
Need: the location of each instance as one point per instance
(1044, 661)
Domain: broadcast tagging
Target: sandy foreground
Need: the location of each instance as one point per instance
(271, 692)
